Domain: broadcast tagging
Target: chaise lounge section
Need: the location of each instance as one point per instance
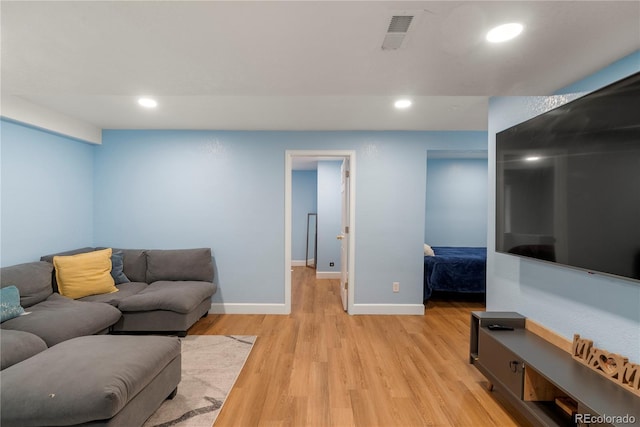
(98, 380)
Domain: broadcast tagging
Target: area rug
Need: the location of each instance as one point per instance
(210, 366)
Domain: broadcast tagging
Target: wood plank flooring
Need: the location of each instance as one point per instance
(322, 367)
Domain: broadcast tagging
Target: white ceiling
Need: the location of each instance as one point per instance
(299, 65)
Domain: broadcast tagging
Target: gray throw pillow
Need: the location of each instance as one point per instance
(117, 266)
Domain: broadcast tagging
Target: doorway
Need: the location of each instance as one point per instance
(346, 234)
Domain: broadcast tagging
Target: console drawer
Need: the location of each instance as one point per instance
(502, 363)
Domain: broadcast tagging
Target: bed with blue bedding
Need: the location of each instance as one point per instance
(455, 269)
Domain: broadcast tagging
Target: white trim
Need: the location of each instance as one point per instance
(248, 308)
(22, 111)
(288, 161)
(299, 263)
(289, 154)
(398, 309)
(352, 235)
(328, 275)
(375, 309)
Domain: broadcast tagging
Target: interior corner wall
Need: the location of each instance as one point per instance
(567, 301)
(456, 202)
(304, 200)
(226, 190)
(46, 193)
(329, 215)
(217, 189)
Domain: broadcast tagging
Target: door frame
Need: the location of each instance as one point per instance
(338, 154)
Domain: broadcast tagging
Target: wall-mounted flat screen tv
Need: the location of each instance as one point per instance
(568, 183)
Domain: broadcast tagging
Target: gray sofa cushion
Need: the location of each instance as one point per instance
(179, 264)
(17, 346)
(83, 379)
(125, 290)
(32, 279)
(135, 264)
(49, 258)
(59, 318)
(134, 261)
(177, 296)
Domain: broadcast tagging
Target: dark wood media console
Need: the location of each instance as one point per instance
(543, 382)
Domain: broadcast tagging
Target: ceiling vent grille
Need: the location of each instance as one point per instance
(399, 24)
(396, 32)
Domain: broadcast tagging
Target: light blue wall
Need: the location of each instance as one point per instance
(47, 193)
(181, 189)
(225, 190)
(456, 206)
(568, 301)
(329, 215)
(304, 200)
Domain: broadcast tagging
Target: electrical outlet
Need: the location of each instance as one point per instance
(331, 264)
(396, 286)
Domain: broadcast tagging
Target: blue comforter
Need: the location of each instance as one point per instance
(455, 269)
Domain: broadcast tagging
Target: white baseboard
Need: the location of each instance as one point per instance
(327, 274)
(398, 309)
(298, 263)
(247, 308)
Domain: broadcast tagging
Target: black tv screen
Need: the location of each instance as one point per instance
(568, 183)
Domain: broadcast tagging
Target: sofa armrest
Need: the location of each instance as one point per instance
(18, 346)
(33, 280)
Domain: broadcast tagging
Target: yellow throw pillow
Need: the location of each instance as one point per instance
(84, 274)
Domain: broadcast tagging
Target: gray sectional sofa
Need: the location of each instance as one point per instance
(168, 291)
(71, 362)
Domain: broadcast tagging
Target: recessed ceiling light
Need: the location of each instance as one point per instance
(532, 158)
(402, 103)
(504, 32)
(147, 102)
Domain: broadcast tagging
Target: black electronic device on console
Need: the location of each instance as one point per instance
(496, 327)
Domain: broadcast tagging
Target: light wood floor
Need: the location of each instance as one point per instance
(322, 367)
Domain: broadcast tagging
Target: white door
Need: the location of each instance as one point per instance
(344, 234)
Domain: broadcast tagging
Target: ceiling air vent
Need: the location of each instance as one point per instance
(397, 30)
